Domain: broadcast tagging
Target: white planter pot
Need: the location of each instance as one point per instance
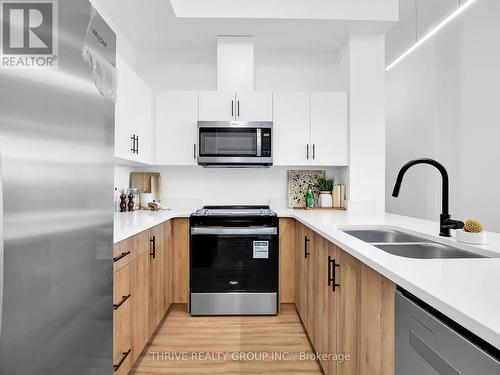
(325, 199)
(472, 238)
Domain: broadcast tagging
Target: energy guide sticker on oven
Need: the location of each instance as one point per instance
(261, 249)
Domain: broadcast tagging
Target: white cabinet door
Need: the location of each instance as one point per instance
(124, 112)
(176, 125)
(254, 106)
(144, 122)
(291, 128)
(329, 128)
(217, 106)
(133, 116)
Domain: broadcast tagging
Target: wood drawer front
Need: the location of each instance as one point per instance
(122, 349)
(142, 243)
(123, 253)
(122, 297)
(140, 330)
(140, 280)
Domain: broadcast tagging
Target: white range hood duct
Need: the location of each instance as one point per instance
(235, 63)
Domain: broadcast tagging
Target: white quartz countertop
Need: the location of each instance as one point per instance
(465, 290)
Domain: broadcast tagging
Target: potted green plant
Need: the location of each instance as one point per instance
(325, 186)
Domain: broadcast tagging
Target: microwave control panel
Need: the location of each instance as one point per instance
(266, 143)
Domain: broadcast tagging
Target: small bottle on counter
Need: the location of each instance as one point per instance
(309, 197)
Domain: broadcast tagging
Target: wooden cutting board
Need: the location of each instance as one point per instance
(147, 182)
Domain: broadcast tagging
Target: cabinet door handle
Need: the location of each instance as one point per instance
(132, 143)
(232, 108)
(121, 256)
(194, 151)
(124, 298)
(153, 245)
(238, 109)
(332, 274)
(306, 243)
(124, 356)
(314, 151)
(137, 145)
(307, 151)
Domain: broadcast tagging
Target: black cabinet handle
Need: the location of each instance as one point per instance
(153, 245)
(124, 298)
(307, 151)
(194, 151)
(306, 243)
(232, 108)
(314, 151)
(132, 143)
(238, 108)
(137, 144)
(332, 266)
(124, 357)
(122, 255)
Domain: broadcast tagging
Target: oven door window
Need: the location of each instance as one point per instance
(232, 263)
(228, 142)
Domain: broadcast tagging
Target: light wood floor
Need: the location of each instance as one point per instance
(182, 334)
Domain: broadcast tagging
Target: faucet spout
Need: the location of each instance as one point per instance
(445, 221)
(444, 176)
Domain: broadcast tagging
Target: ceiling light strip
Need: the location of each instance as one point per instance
(427, 36)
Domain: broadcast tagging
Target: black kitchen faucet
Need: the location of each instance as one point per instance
(445, 221)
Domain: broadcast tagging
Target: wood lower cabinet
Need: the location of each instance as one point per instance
(376, 323)
(180, 257)
(287, 258)
(144, 286)
(346, 307)
(157, 284)
(305, 277)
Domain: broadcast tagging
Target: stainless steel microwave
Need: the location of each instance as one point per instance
(235, 143)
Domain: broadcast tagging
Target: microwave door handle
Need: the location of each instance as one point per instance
(259, 142)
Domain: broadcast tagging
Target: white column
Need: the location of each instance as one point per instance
(364, 62)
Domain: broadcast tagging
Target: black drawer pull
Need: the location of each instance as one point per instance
(124, 298)
(332, 273)
(122, 255)
(124, 357)
(153, 245)
(306, 242)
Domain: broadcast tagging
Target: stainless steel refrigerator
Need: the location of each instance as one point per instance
(56, 150)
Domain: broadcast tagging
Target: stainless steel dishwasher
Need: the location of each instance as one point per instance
(428, 343)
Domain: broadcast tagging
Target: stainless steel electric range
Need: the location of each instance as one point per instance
(234, 261)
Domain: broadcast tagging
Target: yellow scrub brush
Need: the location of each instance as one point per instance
(472, 233)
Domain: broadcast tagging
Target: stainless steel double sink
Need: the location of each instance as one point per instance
(407, 245)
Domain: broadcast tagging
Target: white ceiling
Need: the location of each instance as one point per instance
(152, 24)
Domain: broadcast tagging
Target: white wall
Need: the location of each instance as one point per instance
(184, 185)
(274, 70)
(443, 102)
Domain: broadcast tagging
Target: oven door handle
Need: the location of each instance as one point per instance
(234, 231)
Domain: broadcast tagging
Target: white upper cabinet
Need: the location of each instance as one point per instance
(217, 106)
(329, 128)
(235, 106)
(133, 117)
(176, 127)
(291, 128)
(254, 106)
(310, 128)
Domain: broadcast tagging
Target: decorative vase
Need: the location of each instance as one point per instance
(325, 199)
(471, 238)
